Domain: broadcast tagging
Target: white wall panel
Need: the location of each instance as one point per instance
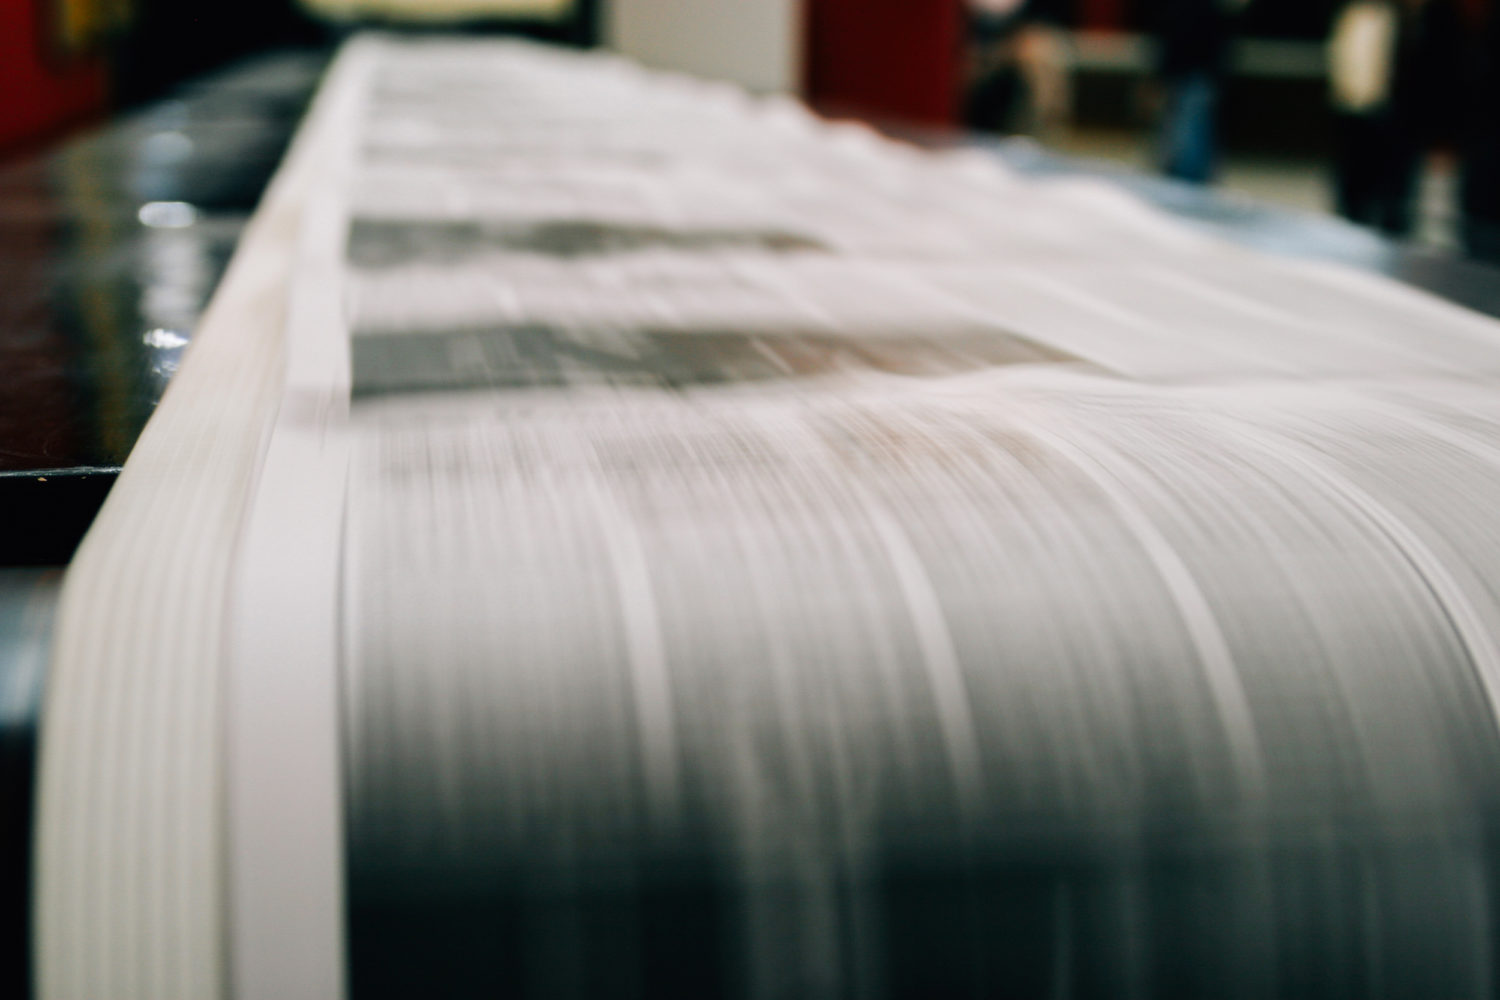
(756, 43)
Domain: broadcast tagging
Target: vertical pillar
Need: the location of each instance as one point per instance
(887, 60)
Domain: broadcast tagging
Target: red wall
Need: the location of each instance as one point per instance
(888, 60)
(41, 92)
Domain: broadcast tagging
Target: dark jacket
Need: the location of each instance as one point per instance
(1192, 36)
(1429, 85)
(1481, 180)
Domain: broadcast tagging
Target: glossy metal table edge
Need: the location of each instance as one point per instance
(47, 507)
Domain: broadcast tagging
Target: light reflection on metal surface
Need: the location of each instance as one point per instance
(167, 148)
(174, 272)
(164, 340)
(26, 603)
(167, 214)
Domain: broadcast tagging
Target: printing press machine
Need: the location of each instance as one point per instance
(113, 244)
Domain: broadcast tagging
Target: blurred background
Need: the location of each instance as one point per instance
(1384, 111)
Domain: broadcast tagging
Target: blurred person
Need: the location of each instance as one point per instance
(1019, 67)
(1480, 190)
(1192, 39)
(1395, 75)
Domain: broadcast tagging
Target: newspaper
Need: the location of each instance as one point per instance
(705, 550)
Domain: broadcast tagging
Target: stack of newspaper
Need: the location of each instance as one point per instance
(618, 537)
